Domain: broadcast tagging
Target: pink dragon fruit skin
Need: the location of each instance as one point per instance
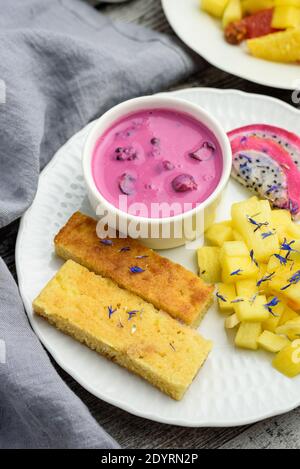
(266, 160)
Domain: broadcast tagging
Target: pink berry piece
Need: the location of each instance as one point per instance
(167, 165)
(204, 153)
(127, 184)
(184, 183)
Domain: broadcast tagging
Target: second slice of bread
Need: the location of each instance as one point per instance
(124, 328)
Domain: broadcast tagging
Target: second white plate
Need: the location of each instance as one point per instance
(234, 387)
(204, 35)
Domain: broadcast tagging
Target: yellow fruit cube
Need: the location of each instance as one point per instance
(273, 264)
(232, 321)
(248, 335)
(234, 249)
(273, 322)
(285, 17)
(294, 231)
(214, 7)
(287, 315)
(281, 220)
(292, 3)
(253, 6)
(286, 282)
(253, 311)
(288, 360)
(235, 269)
(246, 289)
(277, 47)
(291, 329)
(209, 264)
(251, 218)
(226, 294)
(233, 12)
(272, 342)
(237, 236)
(218, 233)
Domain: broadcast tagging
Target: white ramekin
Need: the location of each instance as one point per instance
(204, 211)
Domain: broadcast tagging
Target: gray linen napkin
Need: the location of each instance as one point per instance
(61, 65)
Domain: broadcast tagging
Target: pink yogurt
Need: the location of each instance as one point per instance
(154, 157)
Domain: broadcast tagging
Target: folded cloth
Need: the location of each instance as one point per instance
(61, 65)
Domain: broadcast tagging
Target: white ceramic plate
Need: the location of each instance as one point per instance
(234, 387)
(204, 35)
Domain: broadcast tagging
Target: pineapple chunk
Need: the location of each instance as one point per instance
(233, 12)
(273, 322)
(209, 264)
(237, 236)
(277, 47)
(294, 231)
(235, 269)
(244, 216)
(254, 311)
(228, 293)
(286, 282)
(232, 321)
(234, 249)
(246, 288)
(285, 17)
(253, 6)
(248, 335)
(281, 221)
(273, 264)
(287, 315)
(272, 342)
(288, 360)
(291, 329)
(291, 3)
(218, 233)
(214, 7)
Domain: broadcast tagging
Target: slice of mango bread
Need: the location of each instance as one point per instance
(124, 328)
(168, 286)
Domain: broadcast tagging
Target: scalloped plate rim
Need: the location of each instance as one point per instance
(73, 373)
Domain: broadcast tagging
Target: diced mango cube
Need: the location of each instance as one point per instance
(277, 47)
(288, 360)
(253, 6)
(232, 321)
(246, 288)
(233, 12)
(274, 320)
(288, 315)
(209, 264)
(237, 236)
(226, 294)
(249, 218)
(294, 231)
(285, 17)
(214, 7)
(218, 233)
(272, 342)
(292, 3)
(291, 329)
(281, 220)
(286, 282)
(235, 269)
(253, 311)
(248, 335)
(234, 249)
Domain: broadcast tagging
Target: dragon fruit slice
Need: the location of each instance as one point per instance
(266, 159)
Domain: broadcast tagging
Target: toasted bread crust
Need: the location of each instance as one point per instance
(168, 286)
(124, 328)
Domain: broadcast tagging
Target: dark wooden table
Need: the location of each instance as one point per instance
(133, 432)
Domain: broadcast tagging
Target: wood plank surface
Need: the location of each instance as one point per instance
(133, 432)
